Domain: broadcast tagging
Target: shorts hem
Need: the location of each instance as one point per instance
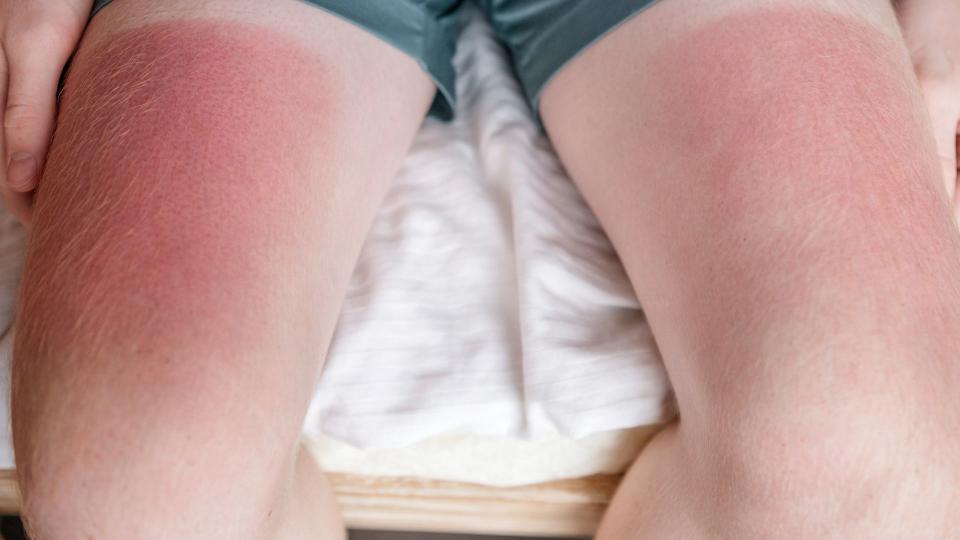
(579, 29)
(429, 40)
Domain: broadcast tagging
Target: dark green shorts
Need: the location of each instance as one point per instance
(542, 35)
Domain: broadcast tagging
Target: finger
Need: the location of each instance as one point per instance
(945, 135)
(33, 72)
(956, 198)
(19, 204)
(944, 108)
(3, 106)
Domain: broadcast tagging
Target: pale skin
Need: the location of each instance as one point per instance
(786, 219)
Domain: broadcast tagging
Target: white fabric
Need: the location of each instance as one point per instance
(11, 257)
(490, 460)
(487, 299)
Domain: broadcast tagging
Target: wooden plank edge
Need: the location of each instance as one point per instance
(571, 507)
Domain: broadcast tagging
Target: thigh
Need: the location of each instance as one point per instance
(215, 168)
(765, 171)
(756, 163)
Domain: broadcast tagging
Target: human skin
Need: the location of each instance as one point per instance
(930, 32)
(766, 172)
(36, 39)
(205, 198)
(791, 261)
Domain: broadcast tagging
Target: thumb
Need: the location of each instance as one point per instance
(945, 134)
(956, 172)
(943, 104)
(33, 72)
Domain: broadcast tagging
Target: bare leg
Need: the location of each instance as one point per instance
(215, 169)
(765, 171)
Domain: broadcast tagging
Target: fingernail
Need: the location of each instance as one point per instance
(21, 170)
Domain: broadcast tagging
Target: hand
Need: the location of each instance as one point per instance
(932, 31)
(36, 39)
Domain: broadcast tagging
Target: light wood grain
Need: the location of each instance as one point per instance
(560, 508)
(9, 492)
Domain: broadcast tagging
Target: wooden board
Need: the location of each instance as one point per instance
(560, 508)
(9, 492)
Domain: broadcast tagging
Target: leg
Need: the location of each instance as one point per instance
(765, 171)
(207, 193)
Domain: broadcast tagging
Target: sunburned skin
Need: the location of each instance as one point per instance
(172, 268)
(208, 191)
(183, 169)
(797, 139)
(769, 182)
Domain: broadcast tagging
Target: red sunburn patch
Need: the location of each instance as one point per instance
(181, 171)
(776, 79)
(784, 107)
(794, 175)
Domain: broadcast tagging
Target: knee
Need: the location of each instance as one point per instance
(156, 460)
(834, 466)
(132, 438)
(848, 460)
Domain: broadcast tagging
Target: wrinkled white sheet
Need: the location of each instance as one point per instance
(487, 300)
